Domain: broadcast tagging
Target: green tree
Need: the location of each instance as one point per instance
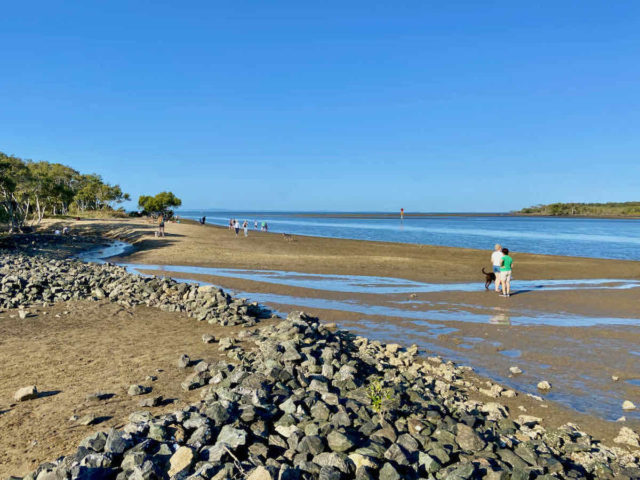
(159, 204)
(33, 189)
(15, 182)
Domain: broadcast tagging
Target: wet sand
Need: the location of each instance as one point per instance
(189, 243)
(477, 328)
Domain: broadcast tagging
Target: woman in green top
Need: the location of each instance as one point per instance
(506, 266)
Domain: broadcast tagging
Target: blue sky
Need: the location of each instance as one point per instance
(430, 106)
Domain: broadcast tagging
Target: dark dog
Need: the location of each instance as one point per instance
(489, 278)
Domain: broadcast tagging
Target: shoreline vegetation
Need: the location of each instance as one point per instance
(30, 191)
(593, 210)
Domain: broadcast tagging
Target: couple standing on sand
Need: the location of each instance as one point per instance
(502, 266)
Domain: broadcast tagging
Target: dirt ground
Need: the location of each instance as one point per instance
(189, 243)
(72, 350)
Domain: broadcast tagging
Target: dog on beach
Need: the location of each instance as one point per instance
(489, 278)
(288, 237)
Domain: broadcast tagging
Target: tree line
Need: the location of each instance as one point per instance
(30, 190)
(622, 209)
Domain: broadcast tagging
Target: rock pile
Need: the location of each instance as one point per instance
(309, 403)
(34, 280)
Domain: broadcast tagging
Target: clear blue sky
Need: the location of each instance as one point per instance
(430, 106)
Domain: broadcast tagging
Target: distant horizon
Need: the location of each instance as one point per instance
(386, 212)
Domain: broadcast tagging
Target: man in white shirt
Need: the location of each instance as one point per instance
(496, 261)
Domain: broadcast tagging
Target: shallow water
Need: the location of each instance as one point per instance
(581, 237)
(586, 393)
(384, 286)
(511, 353)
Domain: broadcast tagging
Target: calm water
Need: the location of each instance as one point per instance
(581, 237)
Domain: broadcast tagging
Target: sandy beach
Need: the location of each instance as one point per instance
(188, 243)
(490, 346)
(544, 331)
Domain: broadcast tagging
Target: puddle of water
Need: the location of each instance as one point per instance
(354, 306)
(634, 381)
(511, 353)
(465, 345)
(102, 253)
(633, 352)
(356, 283)
(474, 339)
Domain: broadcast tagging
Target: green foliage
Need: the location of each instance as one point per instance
(621, 209)
(33, 189)
(380, 397)
(159, 204)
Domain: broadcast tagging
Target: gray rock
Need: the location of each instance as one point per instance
(196, 380)
(184, 361)
(429, 463)
(218, 413)
(339, 442)
(311, 444)
(89, 419)
(468, 439)
(135, 390)
(234, 437)
(95, 441)
(329, 473)
(332, 459)
(396, 454)
(117, 442)
(260, 473)
(26, 393)
(151, 402)
(388, 472)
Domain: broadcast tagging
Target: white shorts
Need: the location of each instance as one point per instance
(505, 275)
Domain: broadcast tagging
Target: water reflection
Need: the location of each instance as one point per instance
(500, 319)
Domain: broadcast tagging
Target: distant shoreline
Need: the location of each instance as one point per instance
(387, 215)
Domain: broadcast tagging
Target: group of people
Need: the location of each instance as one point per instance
(502, 268)
(234, 224)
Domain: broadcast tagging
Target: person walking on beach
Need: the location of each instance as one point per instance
(505, 272)
(245, 227)
(496, 261)
(161, 226)
(236, 226)
(255, 224)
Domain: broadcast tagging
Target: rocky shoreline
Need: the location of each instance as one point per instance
(304, 402)
(30, 280)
